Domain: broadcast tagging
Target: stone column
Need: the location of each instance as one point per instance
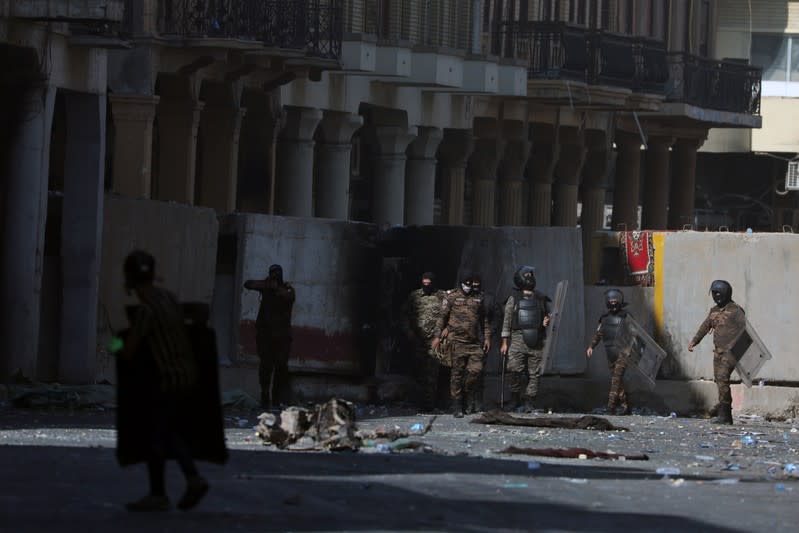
(220, 124)
(178, 121)
(420, 177)
(333, 160)
(655, 204)
(511, 173)
(482, 170)
(295, 162)
(81, 229)
(568, 171)
(24, 215)
(683, 182)
(540, 168)
(133, 116)
(626, 188)
(388, 181)
(453, 155)
(598, 163)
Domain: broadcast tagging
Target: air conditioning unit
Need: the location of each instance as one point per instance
(792, 176)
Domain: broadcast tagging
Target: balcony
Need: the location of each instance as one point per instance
(312, 27)
(709, 83)
(559, 51)
(86, 11)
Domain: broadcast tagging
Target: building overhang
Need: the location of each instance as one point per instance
(687, 114)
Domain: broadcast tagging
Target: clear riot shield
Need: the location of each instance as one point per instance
(553, 328)
(645, 354)
(751, 353)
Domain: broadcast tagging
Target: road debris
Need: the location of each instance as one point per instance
(573, 453)
(584, 422)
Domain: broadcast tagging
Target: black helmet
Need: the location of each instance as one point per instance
(614, 295)
(139, 268)
(276, 272)
(524, 278)
(721, 291)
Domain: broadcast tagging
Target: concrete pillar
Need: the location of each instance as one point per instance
(178, 121)
(333, 158)
(257, 140)
(482, 170)
(133, 116)
(540, 169)
(453, 155)
(683, 182)
(295, 162)
(420, 177)
(220, 125)
(626, 188)
(81, 229)
(388, 181)
(655, 204)
(568, 172)
(511, 173)
(24, 214)
(598, 164)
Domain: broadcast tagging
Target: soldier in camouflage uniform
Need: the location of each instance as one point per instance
(727, 320)
(462, 321)
(523, 333)
(419, 317)
(608, 330)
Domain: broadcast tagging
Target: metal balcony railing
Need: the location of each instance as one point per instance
(311, 26)
(714, 84)
(556, 50)
(439, 23)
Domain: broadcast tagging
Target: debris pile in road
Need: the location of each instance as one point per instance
(583, 422)
(331, 426)
(573, 453)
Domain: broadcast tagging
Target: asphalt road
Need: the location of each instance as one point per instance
(59, 473)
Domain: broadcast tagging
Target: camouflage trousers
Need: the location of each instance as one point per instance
(617, 366)
(523, 362)
(723, 364)
(467, 367)
(425, 371)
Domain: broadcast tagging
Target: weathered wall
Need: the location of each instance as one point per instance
(182, 238)
(333, 266)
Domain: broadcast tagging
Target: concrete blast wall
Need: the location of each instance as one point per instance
(183, 240)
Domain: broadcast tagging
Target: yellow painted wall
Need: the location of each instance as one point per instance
(780, 132)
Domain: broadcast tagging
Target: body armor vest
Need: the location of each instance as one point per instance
(611, 326)
(528, 315)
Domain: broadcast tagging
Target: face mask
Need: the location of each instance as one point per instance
(718, 298)
(476, 287)
(428, 289)
(614, 306)
(466, 288)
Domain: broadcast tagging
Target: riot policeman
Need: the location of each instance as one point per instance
(609, 330)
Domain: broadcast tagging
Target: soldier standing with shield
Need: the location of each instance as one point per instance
(523, 332)
(727, 320)
(608, 330)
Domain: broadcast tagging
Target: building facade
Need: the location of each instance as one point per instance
(391, 112)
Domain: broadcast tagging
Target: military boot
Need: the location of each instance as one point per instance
(513, 403)
(713, 411)
(457, 407)
(529, 404)
(725, 414)
(623, 409)
(477, 401)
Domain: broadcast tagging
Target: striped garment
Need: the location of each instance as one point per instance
(160, 326)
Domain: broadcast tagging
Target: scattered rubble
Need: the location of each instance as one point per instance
(583, 422)
(573, 453)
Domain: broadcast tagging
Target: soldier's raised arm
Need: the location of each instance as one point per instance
(701, 332)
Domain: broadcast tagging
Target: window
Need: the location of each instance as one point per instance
(778, 56)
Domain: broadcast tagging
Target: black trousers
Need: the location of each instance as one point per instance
(273, 355)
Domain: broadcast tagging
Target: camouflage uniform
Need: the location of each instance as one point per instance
(607, 330)
(522, 358)
(419, 319)
(727, 322)
(465, 318)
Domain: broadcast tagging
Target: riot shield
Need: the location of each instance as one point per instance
(644, 353)
(751, 353)
(553, 329)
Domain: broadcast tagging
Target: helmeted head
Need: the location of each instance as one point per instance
(477, 283)
(428, 282)
(614, 300)
(276, 273)
(524, 278)
(721, 291)
(139, 269)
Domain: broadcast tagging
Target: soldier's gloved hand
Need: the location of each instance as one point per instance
(691, 346)
(546, 321)
(503, 347)
(589, 351)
